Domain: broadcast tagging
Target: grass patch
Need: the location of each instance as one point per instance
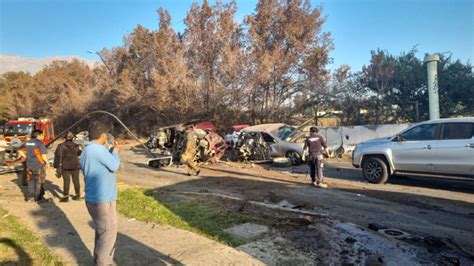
(192, 215)
(18, 245)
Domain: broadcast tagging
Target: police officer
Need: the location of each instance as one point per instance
(315, 143)
(189, 151)
(66, 161)
(37, 162)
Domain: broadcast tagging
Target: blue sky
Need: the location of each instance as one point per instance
(41, 28)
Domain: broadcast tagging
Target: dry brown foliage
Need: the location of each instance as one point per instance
(263, 69)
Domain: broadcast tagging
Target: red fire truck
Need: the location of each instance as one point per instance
(22, 128)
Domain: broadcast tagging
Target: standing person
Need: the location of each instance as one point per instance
(37, 162)
(189, 151)
(98, 165)
(15, 145)
(66, 162)
(315, 143)
(3, 147)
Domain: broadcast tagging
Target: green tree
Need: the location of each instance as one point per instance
(456, 88)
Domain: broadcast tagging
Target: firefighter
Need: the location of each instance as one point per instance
(161, 138)
(37, 162)
(189, 151)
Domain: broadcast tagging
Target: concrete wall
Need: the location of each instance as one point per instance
(349, 137)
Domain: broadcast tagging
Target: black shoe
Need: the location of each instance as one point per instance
(64, 199)
(76, 197)
(40, 201)
(198, 172)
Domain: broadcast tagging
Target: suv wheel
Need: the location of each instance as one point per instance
(375, 170)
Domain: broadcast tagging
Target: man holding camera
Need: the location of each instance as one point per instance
(98, 165)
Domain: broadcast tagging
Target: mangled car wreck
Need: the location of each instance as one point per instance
(169, 142)
(266, 141)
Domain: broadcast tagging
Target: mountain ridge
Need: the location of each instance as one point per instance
(33, 65)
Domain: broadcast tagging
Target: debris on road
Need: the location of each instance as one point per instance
(281, 162)
(247, 231)
(376, 226)
(394, 233)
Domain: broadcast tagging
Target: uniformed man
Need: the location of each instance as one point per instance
(315, 144)
(3, 148)
(162, 138)
(37, 162)
(189, 151)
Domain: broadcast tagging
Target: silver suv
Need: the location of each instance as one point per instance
(432, 148)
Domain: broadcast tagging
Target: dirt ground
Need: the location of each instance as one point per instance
(425, 208)
(436, 215)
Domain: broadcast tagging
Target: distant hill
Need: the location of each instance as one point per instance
(33, 65)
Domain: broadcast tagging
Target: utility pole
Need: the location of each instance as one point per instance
(433, 95)
(103, 61)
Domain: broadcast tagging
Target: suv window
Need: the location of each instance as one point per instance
(421, 132)
(458, 130)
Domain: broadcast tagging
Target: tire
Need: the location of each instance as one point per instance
(375, 170)
(294, 157)
(281, 162)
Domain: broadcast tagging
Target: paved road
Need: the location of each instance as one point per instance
(420, 206)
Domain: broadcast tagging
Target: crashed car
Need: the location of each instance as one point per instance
(277, 137)
(233, 138)
(251, 146)
(210, 145)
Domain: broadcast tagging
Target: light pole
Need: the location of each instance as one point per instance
(433, 96)
(103, 61)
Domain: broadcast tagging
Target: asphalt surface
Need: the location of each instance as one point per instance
(420, 206)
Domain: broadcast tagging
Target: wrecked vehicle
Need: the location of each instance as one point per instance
(277, 137)
(252, 146)
(157, 140)
(210, 145)
(233, 138)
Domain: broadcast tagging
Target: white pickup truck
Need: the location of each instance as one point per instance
(432, 148)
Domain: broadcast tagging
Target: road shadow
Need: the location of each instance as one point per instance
(61, 233)
(338, 170)
(49, 186)
(23, 257)
(129, 251)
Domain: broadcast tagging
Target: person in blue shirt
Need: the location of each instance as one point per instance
(98, 165)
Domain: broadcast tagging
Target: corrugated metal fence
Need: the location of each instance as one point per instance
(344, 139)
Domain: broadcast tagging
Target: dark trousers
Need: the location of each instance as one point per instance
(36, 183)
(2, 156)
(67, 174)
(316, 166)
